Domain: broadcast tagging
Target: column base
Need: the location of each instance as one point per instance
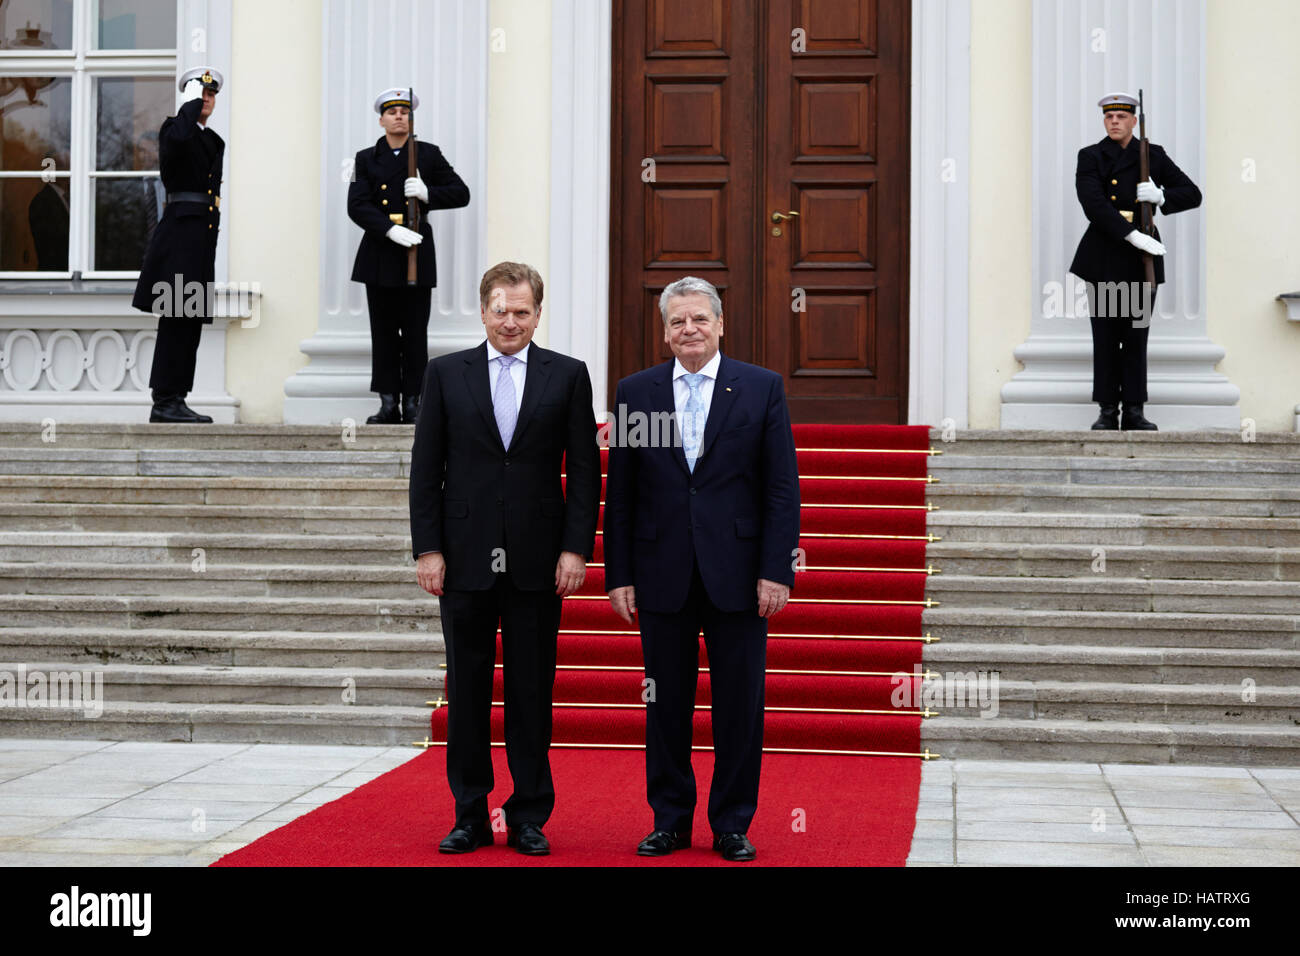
(1170, 418)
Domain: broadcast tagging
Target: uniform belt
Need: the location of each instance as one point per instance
(190, 197)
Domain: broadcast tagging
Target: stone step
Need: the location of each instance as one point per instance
(157, 548)
(183, 580)
(1013, 468)
(212, 684)
(1199, 445)
(274, 519)
(1118, 499)
(1089, 628)
(1114, 529)
(210, 648)
(1105, 741)
(266, 492)
(182, 462)
(224, 723)
(1119, 665)
(983, 698)
(381, 615)
(210, 437)
(1125, 561)
(1111, 593)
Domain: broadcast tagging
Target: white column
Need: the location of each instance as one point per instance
(939, 291)
(577, 290)
(440, 48)
(1083, 50)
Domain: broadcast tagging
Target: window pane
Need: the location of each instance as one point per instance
(126, 124)
(137, 24)
(33, 225)
(34, 25)
(126, 210)
(37, 113)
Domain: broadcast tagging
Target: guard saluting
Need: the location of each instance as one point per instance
(1111, 254)
(377, 202)
(183, 248)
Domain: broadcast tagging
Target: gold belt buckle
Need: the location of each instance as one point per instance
(1127, 214)
(397, 217)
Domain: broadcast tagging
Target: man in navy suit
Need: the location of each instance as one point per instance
(700, 532)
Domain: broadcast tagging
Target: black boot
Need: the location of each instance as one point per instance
(1135, 422)
(1108, 420)
(390, 411)
(171, 408)
(410, 408)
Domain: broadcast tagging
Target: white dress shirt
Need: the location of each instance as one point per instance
(518, 372)
(682, 391)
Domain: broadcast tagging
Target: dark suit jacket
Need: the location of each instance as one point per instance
(376, 194)
(1106, 180)
(469, 495)
(185, 240)
(737, 515)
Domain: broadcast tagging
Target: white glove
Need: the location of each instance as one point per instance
(404, 237)
(415, 187)
(1150, 192)
(1148, 245)
(193, 90)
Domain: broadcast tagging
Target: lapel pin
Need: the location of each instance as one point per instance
(728, 388)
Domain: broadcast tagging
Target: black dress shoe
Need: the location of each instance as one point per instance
(734, 847)
(172, 409)
(410, 408)
(390, 411)
(663, 842)
(527, 839)
(1108, 420)
(466, 837)
(1134, 421)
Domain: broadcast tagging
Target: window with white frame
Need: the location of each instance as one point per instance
(84, 87)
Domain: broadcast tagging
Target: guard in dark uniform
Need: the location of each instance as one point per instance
(1110, 253)
(399, 313)
(180, 262)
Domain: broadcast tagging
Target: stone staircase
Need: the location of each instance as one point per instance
(225, 583)
(1138, 595)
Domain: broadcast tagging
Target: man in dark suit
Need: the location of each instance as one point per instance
(500, 541)
(1109, 257)
(180, 262)
(377, 199)
(700, 533)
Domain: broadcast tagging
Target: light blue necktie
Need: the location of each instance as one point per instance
(693, 419)
(503, 402)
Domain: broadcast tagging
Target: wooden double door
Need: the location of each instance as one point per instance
(763, 145)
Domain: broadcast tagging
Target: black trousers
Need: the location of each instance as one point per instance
(399, 337)
(529, 621)
(1119, 343)
(737, 647)
(174, 355)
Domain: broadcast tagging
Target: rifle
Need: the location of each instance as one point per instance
(1144, 209)
(412, 202)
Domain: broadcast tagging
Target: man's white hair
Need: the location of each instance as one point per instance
(689, 285)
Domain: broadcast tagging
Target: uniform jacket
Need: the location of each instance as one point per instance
(376, 194)
(736, 515)
(184, 242)
(1106, 180)
(469, 495)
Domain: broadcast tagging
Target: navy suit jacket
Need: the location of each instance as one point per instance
(736, 516)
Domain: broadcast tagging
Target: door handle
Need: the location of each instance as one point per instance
(778, 216)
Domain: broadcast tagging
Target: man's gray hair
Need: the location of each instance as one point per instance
(689, 285)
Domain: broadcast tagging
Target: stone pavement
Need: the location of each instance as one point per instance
(101, 803)
(1017, 813)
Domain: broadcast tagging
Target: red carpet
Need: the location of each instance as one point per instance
(853, 622)
(850, 812)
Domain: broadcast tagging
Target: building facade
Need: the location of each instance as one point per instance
(927, 149)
